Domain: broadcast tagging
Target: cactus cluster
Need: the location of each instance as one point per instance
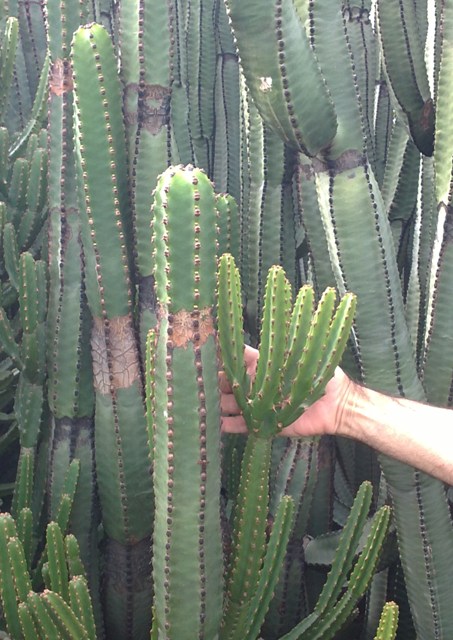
(311, 142)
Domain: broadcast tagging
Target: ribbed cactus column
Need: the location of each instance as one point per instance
(187, 551)
(147, 61)
(71, 397)
(122, 456)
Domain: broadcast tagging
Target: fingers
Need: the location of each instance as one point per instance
(232, 420)
(233, 424)
(250, 359)
(228, 404)
(224, 385)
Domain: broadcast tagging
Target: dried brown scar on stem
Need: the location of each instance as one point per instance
(61, 80)
(115, 355)
(189, 326)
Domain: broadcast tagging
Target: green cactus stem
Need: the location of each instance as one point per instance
(122, 458)
(187, 547)
(298, 352)
(388, 622)
(273, 47)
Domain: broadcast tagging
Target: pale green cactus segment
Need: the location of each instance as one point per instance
(270, 573)
(312, 354)
(63, 493)
(335, 343)
(388, 622)
(151, 118)
(364, 45)
(7, 339)
(58, 570)
(7, 587)
(27, 623)
(24, 481)
(37, 113)
(346, 550)
(19, 569)
(273, 48)
(299, 327)
(72, 550)
(25, 532)
(331, 44)
(230, 329)
(81, 605)
(317, 626)
(227, 103)
(100, 142)
(11, 254)
(41, 616)
(397, 147)
(187, 549)
(28, 403)
(290, 227)
(270, 366)
(121, 457)
(17, 191)
(270, 248)
(251, 208)
(436, 367)
(149, 385)
(200, 50)
(7, 56)
(62, 19)
(325, 627)
(443, 149)
(32, 320)
(63, 616)
(383, 126)
(377, 344)
(127, 27)
(295, 475)
(249, 532)
(33, 216)
(403, 59)
(69, 358)
(313, 244)
(229, 226)
(419, 497)
(185, 272)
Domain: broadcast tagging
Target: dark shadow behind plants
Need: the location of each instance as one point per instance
(325, 140)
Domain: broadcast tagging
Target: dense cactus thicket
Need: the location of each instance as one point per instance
(179, 178)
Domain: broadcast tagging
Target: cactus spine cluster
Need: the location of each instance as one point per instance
(325, 127)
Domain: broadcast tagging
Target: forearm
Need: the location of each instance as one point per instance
(417, 434)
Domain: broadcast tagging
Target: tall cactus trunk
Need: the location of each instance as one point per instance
(122, 458)
(187, 544)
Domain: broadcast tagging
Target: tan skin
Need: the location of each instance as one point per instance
(414, 433)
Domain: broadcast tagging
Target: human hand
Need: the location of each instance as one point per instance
(323, 417)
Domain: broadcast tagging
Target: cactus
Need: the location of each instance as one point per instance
(187, 550)
(120, 428)
(299, 350)
(328, 124)
(64, 611)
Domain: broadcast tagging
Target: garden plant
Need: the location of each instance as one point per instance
(179, 178)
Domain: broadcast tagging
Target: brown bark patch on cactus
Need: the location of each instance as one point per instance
(115, 354)
(61, 80)
(189, 326)
(347, 161)
(153, 108)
